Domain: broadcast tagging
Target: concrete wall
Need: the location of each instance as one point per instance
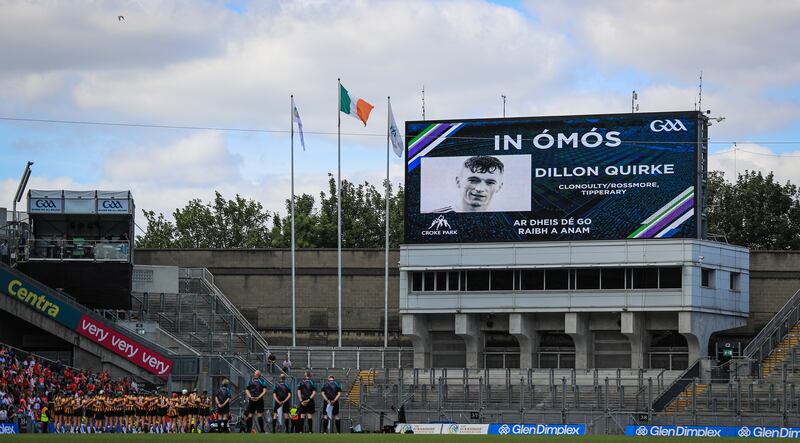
(155, 279)
(774, 278)
(258, 282)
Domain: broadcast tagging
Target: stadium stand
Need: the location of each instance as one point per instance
(380, 388)
(377, 387)
(27, 299)
(762, 383)
(30, 384)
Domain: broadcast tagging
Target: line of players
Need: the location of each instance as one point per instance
(188, 412)
(305, 402)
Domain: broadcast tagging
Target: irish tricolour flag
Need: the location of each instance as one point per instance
(354, 106)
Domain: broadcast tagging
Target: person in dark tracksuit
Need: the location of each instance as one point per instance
(306, 391)
(223, 401)
(281, 394)
(256, 390)
(331, 392)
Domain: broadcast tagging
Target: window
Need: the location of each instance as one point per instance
(707, 278)
(556, 279)
(645, 278)
(428, 280)
(613, 278)
(452, 280)
(477, 280)
(734, 283)
(502, 280)
(670, 278)
(531, 280)
(587, 279)
(441, 281)
(416, 281)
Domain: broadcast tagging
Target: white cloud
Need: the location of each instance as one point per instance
(8, 188)
(743, 157)
(83, 35)
(199, 159)
(737, 38)
(744, 49)
(461, 51)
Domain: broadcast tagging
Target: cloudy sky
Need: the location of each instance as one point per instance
(234, 65)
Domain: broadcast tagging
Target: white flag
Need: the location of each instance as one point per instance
(296, 119)
(394, 135)
(280, 415)
(329, 411)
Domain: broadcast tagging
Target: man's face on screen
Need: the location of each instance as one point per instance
(477, 189)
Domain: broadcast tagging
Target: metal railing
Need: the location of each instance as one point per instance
(345, 357)
(604, 407)
(775, 330)
(668, 358)
(676, 387)
(78, 249)
(20, 352)
(257, 343)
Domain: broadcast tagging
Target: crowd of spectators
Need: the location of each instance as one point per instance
(29, 385)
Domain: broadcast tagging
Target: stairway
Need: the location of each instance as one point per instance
(775, 358)
(368, 379)
(684, 399)
(201, 316)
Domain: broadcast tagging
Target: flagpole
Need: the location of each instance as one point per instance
(294, 311)
(339, 204)
(386, 264)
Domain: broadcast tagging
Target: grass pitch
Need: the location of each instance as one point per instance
(342, 438)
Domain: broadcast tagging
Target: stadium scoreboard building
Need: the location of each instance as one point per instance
(569, 241)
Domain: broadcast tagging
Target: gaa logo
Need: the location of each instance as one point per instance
(112, 204)
(45, 204)
(505, 429)
(453, 429)
(641, 431)
(744, 432)
(667, 125)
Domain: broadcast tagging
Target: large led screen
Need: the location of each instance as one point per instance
(600, 177)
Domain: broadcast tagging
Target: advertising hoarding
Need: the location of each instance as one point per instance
(418, 428)
(9, 428)
(79, 202)
(491, 429)
(536, 429)
(45, 304)
(712, 431)
(45, 206)
(601, 177)
(38, 300)
(112, 206)
(121, 345)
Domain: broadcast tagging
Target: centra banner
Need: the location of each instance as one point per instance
(38, 299)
